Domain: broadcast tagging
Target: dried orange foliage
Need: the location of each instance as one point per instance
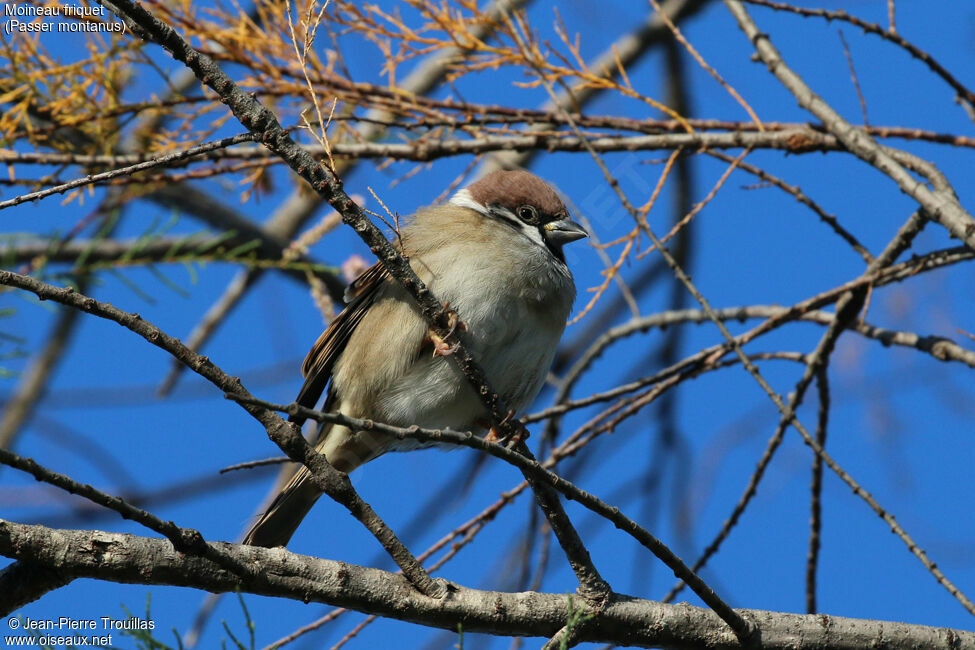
(293, 54)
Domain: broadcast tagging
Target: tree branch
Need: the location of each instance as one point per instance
(214, 247)
(939, 205)
(623, 620)
(24, 582)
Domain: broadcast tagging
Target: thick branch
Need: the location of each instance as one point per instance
(24, 582)
(623, 620)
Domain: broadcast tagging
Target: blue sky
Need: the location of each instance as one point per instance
(901, 422)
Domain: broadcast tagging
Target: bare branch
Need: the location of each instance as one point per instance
(888, 35)
(816, 492)
(141, 560)
(113, 253)
(940, 205)
(534, 473)
(159, 161)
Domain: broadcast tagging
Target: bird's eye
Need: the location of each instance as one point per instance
(527, 214)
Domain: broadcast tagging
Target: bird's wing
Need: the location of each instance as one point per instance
(317, 368)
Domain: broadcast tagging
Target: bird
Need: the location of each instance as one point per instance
(493, 254)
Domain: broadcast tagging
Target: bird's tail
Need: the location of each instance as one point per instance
(280, 521)
(345, 451)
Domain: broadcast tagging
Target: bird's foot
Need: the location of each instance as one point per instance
(454, 322)
(440, 347)
(517, 433)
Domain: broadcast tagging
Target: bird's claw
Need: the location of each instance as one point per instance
(517, 433)
(440, 347)
(454, 322)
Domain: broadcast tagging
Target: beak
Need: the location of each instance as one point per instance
(563, 231)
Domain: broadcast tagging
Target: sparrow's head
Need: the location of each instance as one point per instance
(524, 202)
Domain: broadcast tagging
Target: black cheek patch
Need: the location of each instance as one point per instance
(555, 250)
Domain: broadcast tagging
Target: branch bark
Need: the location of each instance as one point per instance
(624, 620)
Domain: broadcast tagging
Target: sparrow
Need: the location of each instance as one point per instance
(493, 254)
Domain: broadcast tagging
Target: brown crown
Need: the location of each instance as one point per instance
(513, 189)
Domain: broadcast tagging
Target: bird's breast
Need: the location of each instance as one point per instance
(513, 301)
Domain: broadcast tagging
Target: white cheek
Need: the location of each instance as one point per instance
(533, 234)
(464, 199)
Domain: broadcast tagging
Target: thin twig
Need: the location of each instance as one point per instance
(940, 204)
(853, 76)
(184, 540)
(801, 196)
(158, 161)
(816, 492)
(704, 64)
(888, 35)
(251, 464)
